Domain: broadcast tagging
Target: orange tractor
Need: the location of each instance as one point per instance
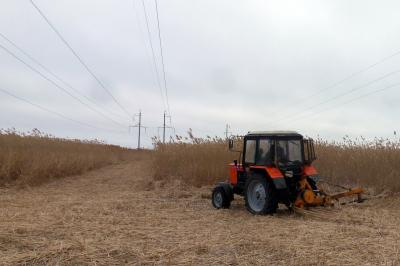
(275, 167)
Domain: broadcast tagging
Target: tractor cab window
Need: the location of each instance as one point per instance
(289, 151)
(250, 156)
(265, 153)
(309, 153)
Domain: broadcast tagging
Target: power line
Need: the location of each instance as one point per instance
(79, 58)
(56, 85)
(152, 52)
(57, 113)
(350, 101)
(56, 76)
(347, 78)
(153, 67)
(354, 74)
(162, 57)
(338, 96)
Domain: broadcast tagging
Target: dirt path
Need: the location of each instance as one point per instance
(118, 215)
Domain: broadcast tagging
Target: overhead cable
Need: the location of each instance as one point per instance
(53, 74)
(80, 59)
(57, 113)
(57, 85)
(162, 57)
(291, 117)
(152, 52)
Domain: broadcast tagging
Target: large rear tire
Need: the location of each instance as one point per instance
(220, 198)
(260, 195)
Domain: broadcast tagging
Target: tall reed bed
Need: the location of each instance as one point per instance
(372, 163)
(197, 161)
(203, 161)
(34, 157)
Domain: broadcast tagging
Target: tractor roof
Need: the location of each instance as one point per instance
(274, 133)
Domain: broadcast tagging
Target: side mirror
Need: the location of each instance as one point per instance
(230, 144)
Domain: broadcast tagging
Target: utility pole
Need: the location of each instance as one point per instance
(138, 125)
(163, 137)
(227, 132)
(164, 126)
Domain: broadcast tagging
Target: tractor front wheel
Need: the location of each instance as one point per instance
(221, 198)
(260, 195)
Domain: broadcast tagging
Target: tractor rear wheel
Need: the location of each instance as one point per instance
(220, 198)
(260, 195)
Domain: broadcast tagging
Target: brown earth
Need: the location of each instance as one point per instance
(119, 215)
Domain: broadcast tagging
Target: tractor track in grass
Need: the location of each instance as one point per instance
(120, 215)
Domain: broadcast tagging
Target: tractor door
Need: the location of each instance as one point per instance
(260, 157)
(265, 152)
(248, 159)
(249, 152)
(259, 152)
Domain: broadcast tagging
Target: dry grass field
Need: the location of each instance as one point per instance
(153, 208)
(120, 215)
(34, 157)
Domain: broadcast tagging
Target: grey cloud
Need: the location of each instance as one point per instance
(244, 63)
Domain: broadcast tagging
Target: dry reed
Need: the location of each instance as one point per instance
(372, 163)
(349, 162)
(34, 157)
(193, 160)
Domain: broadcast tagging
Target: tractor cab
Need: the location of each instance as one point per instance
(279, 154)
(280, 149)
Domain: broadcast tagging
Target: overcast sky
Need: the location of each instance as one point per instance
(256, 65)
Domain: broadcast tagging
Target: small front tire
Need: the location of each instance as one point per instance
(220, 198)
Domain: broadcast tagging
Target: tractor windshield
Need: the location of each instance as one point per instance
(289, 151)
